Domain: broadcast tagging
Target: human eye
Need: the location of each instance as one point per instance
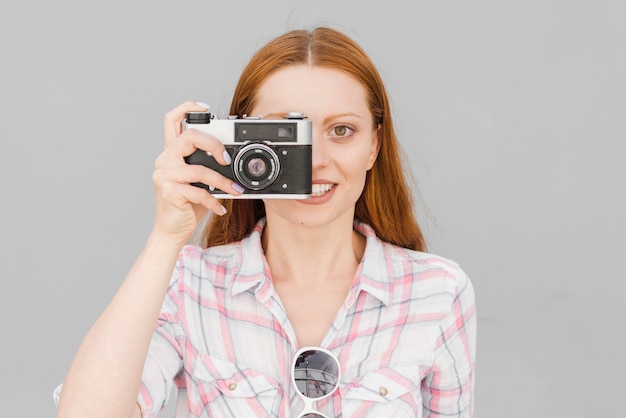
(341, 131)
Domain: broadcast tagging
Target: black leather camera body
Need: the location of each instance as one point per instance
(271, 158)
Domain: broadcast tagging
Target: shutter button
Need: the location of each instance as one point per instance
(383, 391)
(232, 386)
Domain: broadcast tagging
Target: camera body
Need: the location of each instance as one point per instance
(271, 158)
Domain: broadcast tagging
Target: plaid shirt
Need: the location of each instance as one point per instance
(405, 337)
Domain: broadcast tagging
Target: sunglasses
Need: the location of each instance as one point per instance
(315, 374)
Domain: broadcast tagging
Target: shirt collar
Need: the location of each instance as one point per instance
(253, 267)
(373, 270)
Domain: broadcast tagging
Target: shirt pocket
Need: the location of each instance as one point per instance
(229, 388)
(384, 392)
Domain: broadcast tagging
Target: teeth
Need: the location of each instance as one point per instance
(320, 189)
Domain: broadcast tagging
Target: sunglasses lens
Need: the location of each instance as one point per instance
(316, 374)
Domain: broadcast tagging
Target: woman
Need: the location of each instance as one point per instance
(344, 270)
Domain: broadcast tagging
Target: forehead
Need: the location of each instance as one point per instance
(303, 87)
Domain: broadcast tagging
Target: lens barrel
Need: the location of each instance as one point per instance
(256, 166)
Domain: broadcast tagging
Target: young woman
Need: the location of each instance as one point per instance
(345, 270)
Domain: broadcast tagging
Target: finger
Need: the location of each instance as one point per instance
(179, 195)
(174, 118)
(192, 139)
(201, 197)
(187, 174)
(187, 143)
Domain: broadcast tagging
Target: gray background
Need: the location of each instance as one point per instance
(512, 114)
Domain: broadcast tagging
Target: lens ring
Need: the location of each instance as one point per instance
(315, 373)
(256, 166)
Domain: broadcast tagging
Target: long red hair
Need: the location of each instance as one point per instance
(386, 203)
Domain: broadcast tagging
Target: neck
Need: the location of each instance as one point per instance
(312, 253)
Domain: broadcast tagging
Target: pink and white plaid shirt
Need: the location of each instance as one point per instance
(405, 337)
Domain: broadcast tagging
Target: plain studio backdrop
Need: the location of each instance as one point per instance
(512, 116)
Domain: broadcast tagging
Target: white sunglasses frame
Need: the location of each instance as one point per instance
(308, 402)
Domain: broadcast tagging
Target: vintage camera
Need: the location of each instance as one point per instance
(271, 158)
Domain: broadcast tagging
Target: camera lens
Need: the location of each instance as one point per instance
(256, 166)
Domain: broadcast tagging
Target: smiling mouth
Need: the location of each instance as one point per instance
(321, 189)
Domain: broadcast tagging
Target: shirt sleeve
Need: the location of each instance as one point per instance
(165, 355)
(448, 390)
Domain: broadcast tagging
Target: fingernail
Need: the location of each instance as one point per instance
(204, 105)
(227, 157)
(223, 210)
(238, 188)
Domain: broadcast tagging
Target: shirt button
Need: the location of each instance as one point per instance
(383, 391)
(232, 386)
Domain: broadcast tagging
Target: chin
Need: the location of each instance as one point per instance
(310, 215)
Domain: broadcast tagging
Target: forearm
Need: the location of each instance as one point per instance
(105, 375)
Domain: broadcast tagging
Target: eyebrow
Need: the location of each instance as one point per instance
(340, 115)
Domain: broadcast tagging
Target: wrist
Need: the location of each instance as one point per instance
(166, 241)
(178, 238)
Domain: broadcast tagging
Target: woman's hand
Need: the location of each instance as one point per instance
(179, 205)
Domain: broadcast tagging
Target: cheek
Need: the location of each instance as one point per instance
(363, 160)
(356, 168)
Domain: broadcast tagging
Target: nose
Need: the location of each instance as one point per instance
(320, 156)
